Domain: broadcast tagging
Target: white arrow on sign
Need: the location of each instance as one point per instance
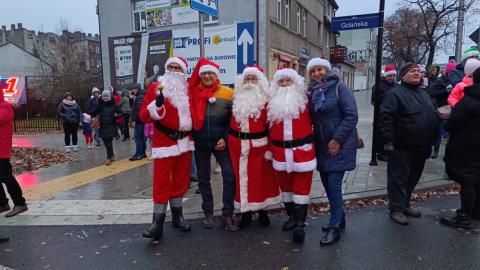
(244, 40)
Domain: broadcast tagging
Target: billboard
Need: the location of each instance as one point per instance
(13, 89)
(169, 12)
(125, 53)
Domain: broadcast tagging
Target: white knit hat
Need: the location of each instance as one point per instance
(317, 61)
(470, 52)
(471, 65)
(95, 90)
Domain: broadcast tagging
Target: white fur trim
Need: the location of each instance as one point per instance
(184, 145)
(153, 109)
(318, 62)
(268, 155)
(286, 72)
(391, 72)
(259, 142)
(252, 206)
(301, 199)
(295, 166)
(287, 196)
(209, 68)
(253, 71)
(178, 61)
(288, 136)
(212, 100)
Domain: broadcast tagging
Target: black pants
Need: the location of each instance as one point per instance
(108, 145)
(126, 127)
(70, 130)
(470, 198)
(404, 169)
(13, 188)
(202, 160)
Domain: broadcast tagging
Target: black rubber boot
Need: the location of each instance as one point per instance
(459, 221)
(178, 221)
(155, 230)
(299, 217)
(332, 236)
(245, 220)
(289, 224)
(343, 224)
(263, 218)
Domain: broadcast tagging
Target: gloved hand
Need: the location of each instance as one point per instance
(159, 100)
(449, 88)
(389, 147)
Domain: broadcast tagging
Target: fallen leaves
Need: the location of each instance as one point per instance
(27, 159)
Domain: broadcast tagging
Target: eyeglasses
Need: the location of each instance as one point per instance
(174, 68)
(250, 80)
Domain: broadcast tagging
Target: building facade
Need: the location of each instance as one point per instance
(287, 32)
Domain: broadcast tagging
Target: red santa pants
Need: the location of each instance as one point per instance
(171, 177)
(295, 186)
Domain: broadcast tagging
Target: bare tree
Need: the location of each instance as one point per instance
(438, 18)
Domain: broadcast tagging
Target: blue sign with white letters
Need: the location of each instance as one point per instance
(355, 22)
(209, 7)
(245, 41)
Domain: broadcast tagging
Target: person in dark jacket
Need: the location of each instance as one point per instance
(71, 115)
(462, 156)
(126, 110)
(458, 73)
(387, 82)
(107, 111)
(335, 118)
(92, 105)
(140, 142)
(409, 124)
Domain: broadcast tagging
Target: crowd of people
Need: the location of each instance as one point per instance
(269, 137)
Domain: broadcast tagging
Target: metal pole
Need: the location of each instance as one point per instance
(369, 59)
(378, 70)
(460, 20)
(201, 34)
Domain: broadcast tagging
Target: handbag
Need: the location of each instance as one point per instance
(95, 122)
(360, 143)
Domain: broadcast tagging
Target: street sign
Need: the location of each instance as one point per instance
(209, 7)
(245, 33)
(355, 22)
(475, 36)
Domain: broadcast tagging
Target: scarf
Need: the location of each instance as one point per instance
(69, 102)
(316, 91)
(199, 95)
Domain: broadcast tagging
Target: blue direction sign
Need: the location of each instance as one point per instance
(245, 41)
(209, 7)
(355, 22)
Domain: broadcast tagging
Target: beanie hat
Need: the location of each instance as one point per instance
(178, 60)
(471, 65)
(67, 94)
(476, 76)
(95, 90)
(422, 68)
(406, 67)
(389, 70)
(452, 65)
(106, 93)
(470, 52)
(318, 62)
(87, 118)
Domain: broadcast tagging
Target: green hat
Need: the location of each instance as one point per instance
(470, 52)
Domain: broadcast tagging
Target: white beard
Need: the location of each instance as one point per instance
(248, 102)
(286, 103)
(176, 91)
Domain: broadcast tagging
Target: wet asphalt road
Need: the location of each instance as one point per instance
(371, 241)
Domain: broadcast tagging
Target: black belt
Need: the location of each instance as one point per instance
(248, 136)
(173, 134)
(294, 143)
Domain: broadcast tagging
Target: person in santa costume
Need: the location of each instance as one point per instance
(211, 111)
(167, 106)
(292, 146)
(256, 187)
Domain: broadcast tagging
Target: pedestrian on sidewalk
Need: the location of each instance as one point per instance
(387, 83)
(92, 105)
(108, 112)
(291, 143)
(87, 130)
(140, 143)
(459, 72)
(256, 187)
(457, 93)
(335, 118)
(148, 131)
(6, 172)
(462, 156)
(126, 111)
(167, 106)
(211, 111)
(409, 125)
(71, 115)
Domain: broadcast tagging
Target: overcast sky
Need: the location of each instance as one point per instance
(356, 7)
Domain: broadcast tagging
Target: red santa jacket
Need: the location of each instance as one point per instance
(169, 116)
(254, 126)
(6, 127)
(298, 159)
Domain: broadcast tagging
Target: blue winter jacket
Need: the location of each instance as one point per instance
(336, 119)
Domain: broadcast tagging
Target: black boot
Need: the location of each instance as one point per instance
(155, 230)
(178, 221)
(461, 220)
(289, 224)
(343, 224)
(332, 236)
(263, 218)
(299, 217)
(245, 220)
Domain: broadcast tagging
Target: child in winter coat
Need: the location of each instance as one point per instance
(457, 93)
(148, 131)
(87, 130)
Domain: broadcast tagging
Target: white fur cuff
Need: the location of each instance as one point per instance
(209, 68)
(153, 109)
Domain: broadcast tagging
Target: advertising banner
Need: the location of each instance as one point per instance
(124, 55)
(169, 12)
(13, 89)
(159, 50)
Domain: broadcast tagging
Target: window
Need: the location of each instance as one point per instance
(299, 19)
(52, 40)
(92, 63)
(304, 19)
(139, 21)
(29, 36)
(279, 11)
(97, 49)
(287, 13)
(207, 19)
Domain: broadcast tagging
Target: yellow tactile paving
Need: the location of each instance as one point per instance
(64, 183)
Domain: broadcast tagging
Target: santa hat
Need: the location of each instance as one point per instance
(470, 52)
(179, 61)
(208, 66)
(389, 70)
(285, 72)
(253, 70)
(314, 62)
(471, 65)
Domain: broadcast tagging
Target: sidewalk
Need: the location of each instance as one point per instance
(84, 195)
